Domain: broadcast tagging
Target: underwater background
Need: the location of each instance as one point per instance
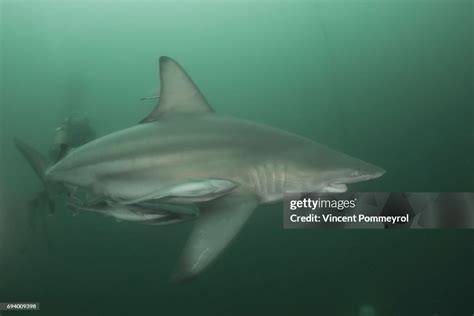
(390, 82)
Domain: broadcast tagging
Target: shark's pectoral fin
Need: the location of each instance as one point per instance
(218, 224)
(178, 93)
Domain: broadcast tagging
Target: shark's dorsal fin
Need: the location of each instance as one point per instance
(178, 93)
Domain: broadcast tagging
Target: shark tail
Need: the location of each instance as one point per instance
(39, 164)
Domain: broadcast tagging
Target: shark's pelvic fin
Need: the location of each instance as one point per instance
(219, 222)
(178, 93)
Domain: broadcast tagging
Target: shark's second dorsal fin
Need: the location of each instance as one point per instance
(178, 93)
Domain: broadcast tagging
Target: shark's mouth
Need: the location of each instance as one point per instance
(335, 188)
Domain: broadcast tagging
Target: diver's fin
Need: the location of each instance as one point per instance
(178, 93)
(39, 164)
(219, 222)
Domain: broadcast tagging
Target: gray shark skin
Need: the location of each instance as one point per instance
(183, 141)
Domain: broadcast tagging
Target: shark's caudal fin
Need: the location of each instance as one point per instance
(39, 164)
(218, 224)
(178, 92)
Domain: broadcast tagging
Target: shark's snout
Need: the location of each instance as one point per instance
(374, 173)
(364, 176)
(365, 172)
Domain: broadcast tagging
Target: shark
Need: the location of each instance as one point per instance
(185, 154)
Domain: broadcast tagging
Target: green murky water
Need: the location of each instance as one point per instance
(390, 82)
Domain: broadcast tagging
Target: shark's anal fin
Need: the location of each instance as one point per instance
(178, 93)
(219, 222)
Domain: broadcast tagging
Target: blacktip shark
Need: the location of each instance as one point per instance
(183, 153)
